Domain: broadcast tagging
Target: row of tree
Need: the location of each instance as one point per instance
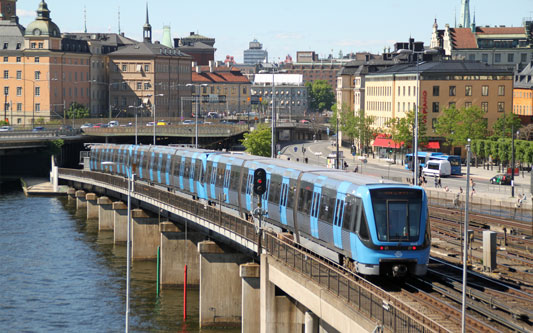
(501, 150)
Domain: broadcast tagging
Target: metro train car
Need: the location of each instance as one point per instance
(371, 227)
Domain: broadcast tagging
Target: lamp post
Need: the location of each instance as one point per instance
(197, 111)
(155, 123)
(513, 161)
(465, 236)
(135, 108)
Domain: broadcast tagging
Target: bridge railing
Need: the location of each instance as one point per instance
(40, 134)
(175, 130)
(360, 294)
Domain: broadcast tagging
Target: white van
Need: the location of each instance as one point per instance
(441, 168)
(113, 123)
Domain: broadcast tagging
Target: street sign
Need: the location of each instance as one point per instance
(295, 149)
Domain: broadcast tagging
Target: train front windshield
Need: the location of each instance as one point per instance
(397, 214)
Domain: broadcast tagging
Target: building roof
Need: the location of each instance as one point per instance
(464, 38)
(147, 49)
(11, 33)
(219, 75)
(524, 79)
(444, 67)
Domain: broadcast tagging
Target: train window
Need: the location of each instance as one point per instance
(350, 213)
(265, 195)
(363, 228)
(275, 184)
(227, 175)
(415, 208)
(315, 203)
(187, 169)
(235, 177)
(245, 183)
(163, 163)
(249, 183)
(291, 193)
(304, 199)
(339, 212)
(144, 163)
(153, 162)
(220, 174)
(198, 171)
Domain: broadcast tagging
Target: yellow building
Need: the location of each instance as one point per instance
(523, 94)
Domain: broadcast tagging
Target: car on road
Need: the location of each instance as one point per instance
(162, 123)
(86, 125)
(66, 128)
(304, 121)
(188, 122)
(113, 123)
(39, 129)
(501, 179)
(150, 123)
(6, 128)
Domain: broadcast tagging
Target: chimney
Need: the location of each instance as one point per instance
(211, 66)
(198, 69)
(176, 42)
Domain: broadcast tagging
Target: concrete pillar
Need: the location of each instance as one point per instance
(311, 322)
(92, 206)
(71, 194)
(105, 214)
(489, 250)
(251, 305)
(81, 202)
(145, 235)
(220, 286)
(268, 299)
(289, 316)
(120, 222)
(178, 250)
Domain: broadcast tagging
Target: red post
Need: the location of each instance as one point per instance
(185, 293)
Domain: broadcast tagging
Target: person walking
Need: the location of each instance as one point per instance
(436, 181)
(439, 183)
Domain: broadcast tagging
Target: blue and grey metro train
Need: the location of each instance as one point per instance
(371, 227)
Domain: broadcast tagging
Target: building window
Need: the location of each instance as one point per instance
(33, 45)
(433, 123)
(485, 57)
(6, 74)
(6, 59)
(40, 45)
(146, 86)
(472, 57)
(510, 57)
(501, 90)
(523, 57)
(6, 91)
(19, 107)
(501, 106)
(497, 57)
(124, 68)
(18, 46)
(485, 106)
(451, 105)
(146, 68)
(37, 75)
(435, 107)
(6, 46)
(37, 91)
(468, 105)
(37, 107)
(19, 59)
(484, 90)
(139, 85)
(468, 91)
(37, 59)
(19, 91)
(452, 90)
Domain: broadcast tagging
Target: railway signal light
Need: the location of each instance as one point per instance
(259, 181)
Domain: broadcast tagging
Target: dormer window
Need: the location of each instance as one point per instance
(18, 46)
(36, 32)
(33, 45)
(6, 45)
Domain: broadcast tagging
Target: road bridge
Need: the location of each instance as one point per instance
(268, 284)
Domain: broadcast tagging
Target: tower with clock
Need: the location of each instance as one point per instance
(8, 9)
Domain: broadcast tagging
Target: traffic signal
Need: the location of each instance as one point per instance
(259, 181)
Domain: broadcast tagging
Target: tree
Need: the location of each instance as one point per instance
(402, 129)
(504, 126)
(259, 141)
(77, 111)
(321, 96)
(459, 125)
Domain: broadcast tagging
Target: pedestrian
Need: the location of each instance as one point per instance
(439, 183)
(356, 169)
(460, 190)
(345, 165)
(424, 180)
(436, 181)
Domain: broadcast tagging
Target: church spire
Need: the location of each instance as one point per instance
(147, 29)
(465, 14)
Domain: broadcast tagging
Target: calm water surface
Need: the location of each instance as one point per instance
(59, 274)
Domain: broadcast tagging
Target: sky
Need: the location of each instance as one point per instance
(283, 27)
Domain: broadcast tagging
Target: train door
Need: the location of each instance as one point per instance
(213, 177)
(315, 207)
(284, 194)
(159, 167)
(338, 213)
(129, 160)
(248, 189)
(201, 165)
(227, 178)
(264, 197)
(168, 168)
(151, 166)
(192, 165)
(182, 172)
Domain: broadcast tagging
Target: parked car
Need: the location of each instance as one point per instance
(6, 128)
(38, 129)
(501, 179)
(86, 125)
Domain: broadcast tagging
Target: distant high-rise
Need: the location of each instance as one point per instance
(465, 14)
(255, 53)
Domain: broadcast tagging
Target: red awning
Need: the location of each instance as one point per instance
(386, 143)
(433, 145)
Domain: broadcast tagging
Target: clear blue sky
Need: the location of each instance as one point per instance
(283, 27)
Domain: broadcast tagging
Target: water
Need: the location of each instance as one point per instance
(59, 274)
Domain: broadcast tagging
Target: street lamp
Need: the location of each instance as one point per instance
(465, 245)
(197, 110)
(135, 108)
(513, 158)
(158, 95)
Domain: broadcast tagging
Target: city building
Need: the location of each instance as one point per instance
(43, 72)
(199, 47)
(523, 94)
(290, 94)
(149, 74)
(255, 53)
(498, 45)
(223, 89)
(392, 92)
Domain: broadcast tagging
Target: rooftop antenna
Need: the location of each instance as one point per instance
(85, 19)
(119, 32)
(455, 16)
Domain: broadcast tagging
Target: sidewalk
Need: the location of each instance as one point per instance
(480, 176)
